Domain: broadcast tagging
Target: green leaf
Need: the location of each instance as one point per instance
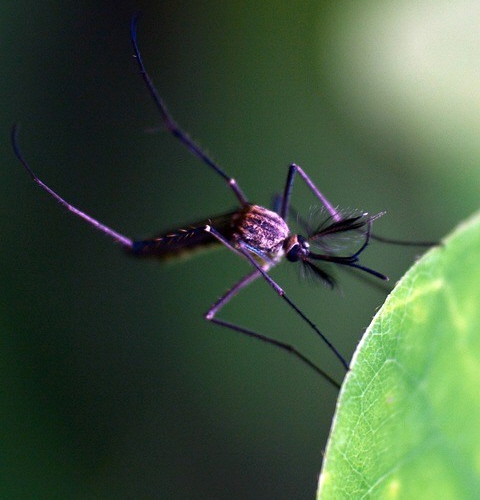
(407, 423)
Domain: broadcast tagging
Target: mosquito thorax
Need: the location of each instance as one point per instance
(296, 247)
(261, 229)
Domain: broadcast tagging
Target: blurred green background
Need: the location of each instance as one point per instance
(112, 384)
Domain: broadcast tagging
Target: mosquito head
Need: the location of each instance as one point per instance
(296, 248)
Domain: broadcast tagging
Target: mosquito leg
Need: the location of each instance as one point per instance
(288, 192)
(289, 301)
(277, 202)
(120, 238)
(281, 345)
(172, 126)
(244, 251)
(404, 243)
(211, 316)
(224, 299)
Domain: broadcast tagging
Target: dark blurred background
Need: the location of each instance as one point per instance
(112, 384)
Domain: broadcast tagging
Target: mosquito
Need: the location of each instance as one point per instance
(260, 236)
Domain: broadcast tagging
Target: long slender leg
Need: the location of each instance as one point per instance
(406, 243)
(211, 316)
(224, 299)
(120, 238)
(288, 192)
(278, 289)
(172, 126)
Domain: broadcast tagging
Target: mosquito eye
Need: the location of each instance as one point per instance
(293, 255)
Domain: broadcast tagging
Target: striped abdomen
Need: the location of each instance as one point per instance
(181, 242)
